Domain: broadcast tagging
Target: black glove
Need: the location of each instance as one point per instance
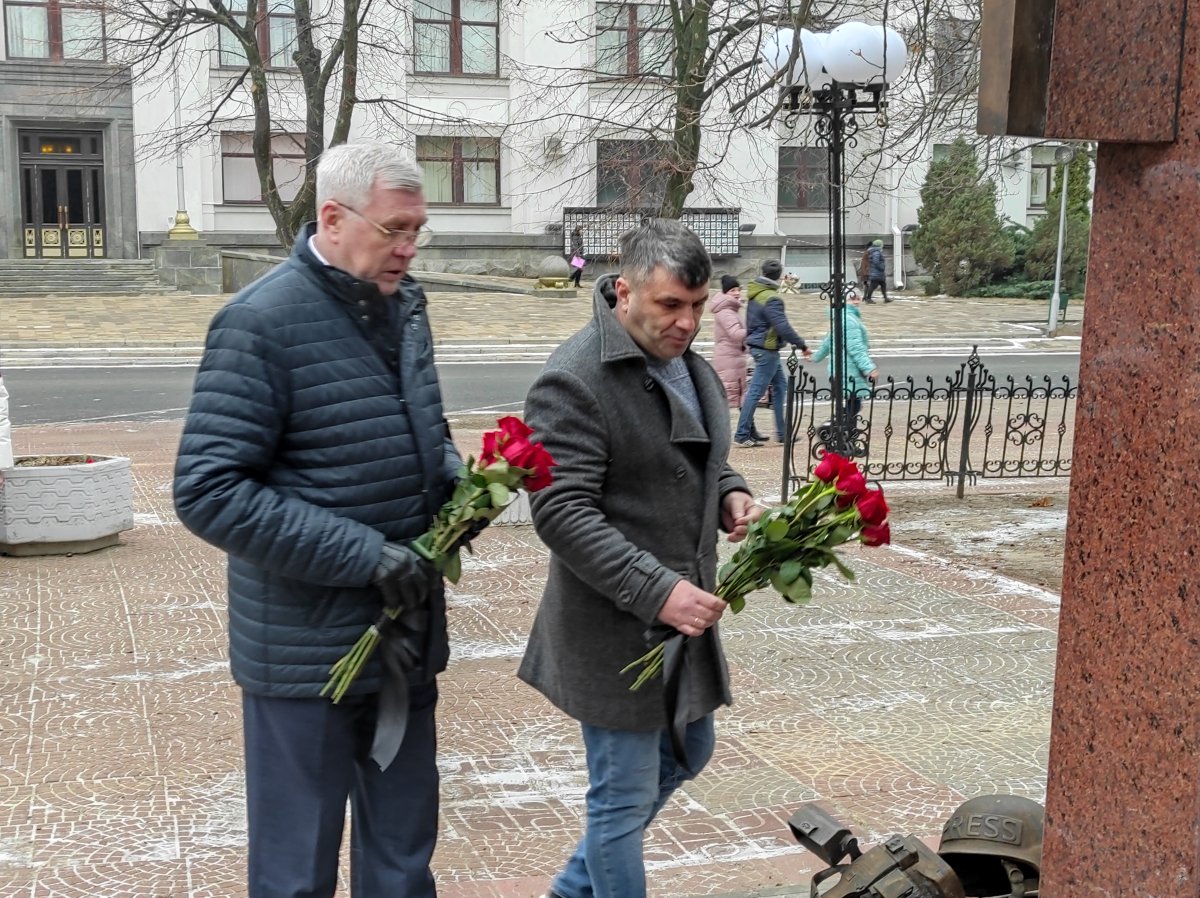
(404, 577)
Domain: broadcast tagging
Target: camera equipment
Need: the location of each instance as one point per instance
(991, 847)
(902, 867)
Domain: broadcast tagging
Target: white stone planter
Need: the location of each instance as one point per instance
(56, 509)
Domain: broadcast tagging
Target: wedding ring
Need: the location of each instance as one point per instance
(699, 622)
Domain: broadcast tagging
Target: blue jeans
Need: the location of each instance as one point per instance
(631, 775)
(304, 758)
(767, 371)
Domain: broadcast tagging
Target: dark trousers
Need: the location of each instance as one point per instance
(871, 285)
(576, 275)
(304, 758)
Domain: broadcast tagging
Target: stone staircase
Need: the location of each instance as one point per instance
(80, 277)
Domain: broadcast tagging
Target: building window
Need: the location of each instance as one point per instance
(956, 57)
(803, 179)
(239, 174)
(633, 39)
(460, 171)
(54, 30)
(1039, 185)
(456, 37)
(275, 32)
(631, 173)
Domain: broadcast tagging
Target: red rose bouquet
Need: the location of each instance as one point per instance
(783, 547)
(509, 462)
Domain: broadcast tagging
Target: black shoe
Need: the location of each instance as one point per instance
(869, 301)
(888, 300)
(748, 444)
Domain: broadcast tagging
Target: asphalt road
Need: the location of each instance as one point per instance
(63, 395)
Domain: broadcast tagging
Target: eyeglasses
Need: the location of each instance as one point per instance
(397, 236)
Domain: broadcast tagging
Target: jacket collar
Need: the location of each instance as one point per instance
(615, 342)
(347, 288)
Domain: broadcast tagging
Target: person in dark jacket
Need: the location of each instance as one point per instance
(767, 330)
(577, 250)
(636, 421)
(314, 451)
(876, 273)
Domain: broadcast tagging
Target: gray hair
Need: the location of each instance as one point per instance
(665, 243)
(349, 172)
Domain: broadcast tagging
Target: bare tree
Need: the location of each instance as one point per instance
(665, 90)
(320, 49)
(655, 94)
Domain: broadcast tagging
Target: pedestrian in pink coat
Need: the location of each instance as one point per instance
(729, 331)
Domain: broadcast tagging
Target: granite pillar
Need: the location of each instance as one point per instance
(1123, 810)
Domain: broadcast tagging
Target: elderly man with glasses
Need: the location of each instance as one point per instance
(315, 449)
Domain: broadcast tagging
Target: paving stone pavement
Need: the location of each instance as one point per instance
(889, 701)
(463, 318)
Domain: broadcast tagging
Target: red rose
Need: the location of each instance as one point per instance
(830, 467)
(538, 480)
(879, 535)
(872, 507)
(851, 484)
(515, 427)
(518, 452)
(491, 440)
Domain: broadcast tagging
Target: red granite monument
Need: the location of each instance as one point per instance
(1123, 791)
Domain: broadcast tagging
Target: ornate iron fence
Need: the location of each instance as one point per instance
(971, 426)
(717, 228)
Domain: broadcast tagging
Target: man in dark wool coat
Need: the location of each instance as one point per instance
(639, 425)
(314, 451)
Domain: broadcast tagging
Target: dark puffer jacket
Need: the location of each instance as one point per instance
(767, 326)
(309, 441)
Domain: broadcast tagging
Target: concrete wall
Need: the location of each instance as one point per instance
(193, 266)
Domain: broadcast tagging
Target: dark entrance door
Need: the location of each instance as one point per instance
(62, 194)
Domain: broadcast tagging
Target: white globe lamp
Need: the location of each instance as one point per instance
(777, 49)
(897, 55)
(810, 67)
(854, 53)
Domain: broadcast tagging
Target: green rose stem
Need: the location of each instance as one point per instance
(470, 502)
(788, 534)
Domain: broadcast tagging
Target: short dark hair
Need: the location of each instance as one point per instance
(664, 243)
(772, 269)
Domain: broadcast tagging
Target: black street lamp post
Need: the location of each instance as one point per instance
(835, 78)
(836, 110)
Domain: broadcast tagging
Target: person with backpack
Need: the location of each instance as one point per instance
(874, 271)
(767, 329)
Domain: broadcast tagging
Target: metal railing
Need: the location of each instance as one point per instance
(717, 228)
(971, 427)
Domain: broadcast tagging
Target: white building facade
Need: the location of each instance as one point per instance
(515, 111)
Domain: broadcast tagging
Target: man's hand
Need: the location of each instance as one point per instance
(404, 577)
(807, 353)
(691, 610)
(738, 512)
